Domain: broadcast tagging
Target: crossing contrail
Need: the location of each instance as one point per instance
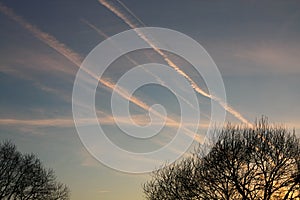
(135, 63)
(199, 90)
(77, 59)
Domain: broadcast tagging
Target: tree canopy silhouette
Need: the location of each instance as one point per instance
(261, 163)
(23, 177)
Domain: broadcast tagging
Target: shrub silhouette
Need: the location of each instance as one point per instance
(22, 176)
(261, 163)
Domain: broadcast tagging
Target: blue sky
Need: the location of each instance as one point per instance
(256, 46)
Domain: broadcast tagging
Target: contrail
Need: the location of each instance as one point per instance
(46, 38)
(66, 52)
(77, 59)
(69, 122)
(130, 23)
(128, 10)
(100, 32)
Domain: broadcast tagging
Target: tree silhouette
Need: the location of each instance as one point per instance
(23, 177)
(261, 163)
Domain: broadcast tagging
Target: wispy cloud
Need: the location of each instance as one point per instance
(105, 120)
(87, 160)
(272, 58)
(38, 84)
(60, 122)
(103, 191)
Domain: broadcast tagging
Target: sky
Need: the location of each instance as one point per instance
(255, 44)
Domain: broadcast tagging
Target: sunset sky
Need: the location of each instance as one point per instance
(255, 44)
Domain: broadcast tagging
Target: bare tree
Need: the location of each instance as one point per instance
(23, 177)
(261, 163)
